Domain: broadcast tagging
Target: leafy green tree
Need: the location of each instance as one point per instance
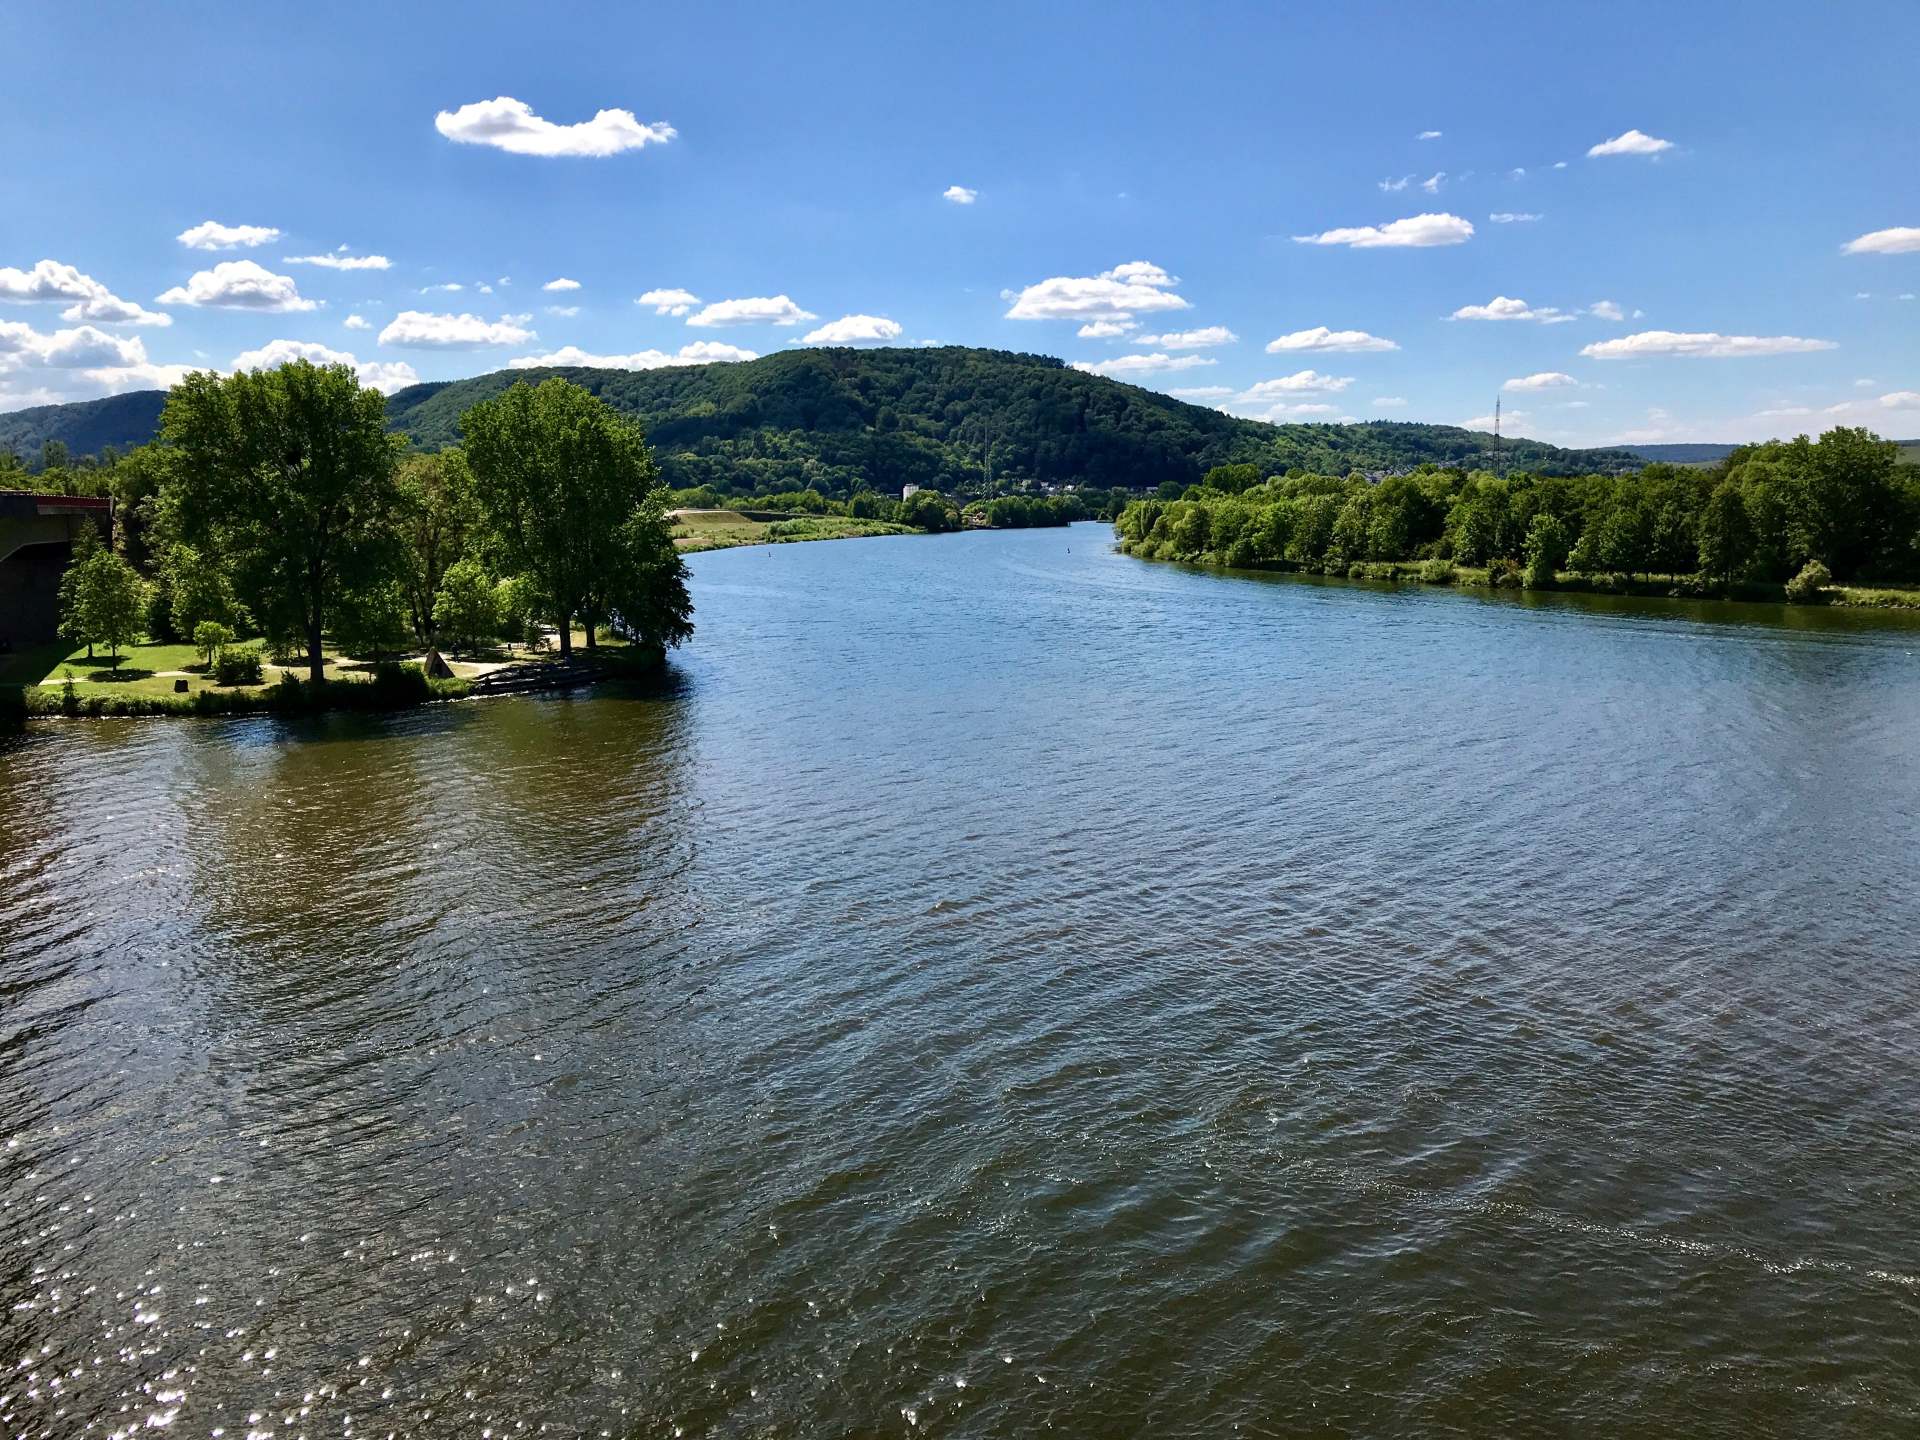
(435, 518)
(1726, 534)
(1547, 548)
(209, 638)
(287, 476)
(102, 598)
(200, 589)
(372, 620)
(466, 610)
(557, 477)
(929, 510)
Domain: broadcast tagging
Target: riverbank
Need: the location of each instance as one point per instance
(1665, 587)
(697, 530)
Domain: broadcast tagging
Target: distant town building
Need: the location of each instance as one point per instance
(36, 545)
(908, 491)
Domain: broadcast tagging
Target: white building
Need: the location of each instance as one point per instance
(907, 491)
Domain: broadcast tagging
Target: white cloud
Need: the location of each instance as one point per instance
(1701, 343)
(1115, 295)
(1190, 339)
(386, 376)
(1428, 135)
(1433, 182)
(754, 310)
(1106, 329)
(1126, 366)
(239, 285)
(1541, 380)
(1518, 172)
(960, 194)
(1633, 142)
(1414, 231)
(854, 330)
(565, 312)
(1606, 310)
(1331, 341)
(700, 352)
(1902, 400)
(447, 287)
(1512, 217)
(1485, 422)
(357, 322)
(337, 261)
(1897, 241)
(1393, 184)
(1203, 392)
(50, 282)
(669, 302)
(1503, 308)
(562, 283)
(1281, 412)
(1299, 383)
(418, 330)
(510, 125)
(1559, 164)
(212, 235)
(1389, 402)
(74, 364)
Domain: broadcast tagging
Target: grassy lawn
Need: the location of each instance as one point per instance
(723, 529)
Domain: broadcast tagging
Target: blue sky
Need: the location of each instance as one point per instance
(1159, 178)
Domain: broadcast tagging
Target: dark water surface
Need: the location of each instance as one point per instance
(999, 988)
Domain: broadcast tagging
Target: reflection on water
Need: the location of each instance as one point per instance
(998, 985)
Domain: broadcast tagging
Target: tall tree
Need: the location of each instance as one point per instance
(435, 516)
(566, 489)
(102, 597)
(286, 478)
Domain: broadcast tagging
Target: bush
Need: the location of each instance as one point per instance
(237, 666)
(1503, 574)
(395, 685)
(1437, 571)
(1809, 587)
(210, 637)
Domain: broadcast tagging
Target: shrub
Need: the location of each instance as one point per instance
(1437, 571)
(1809, 587)
(395, 685)
(1503, 574)
(237, 667)
(210, 637)
(1240, 554)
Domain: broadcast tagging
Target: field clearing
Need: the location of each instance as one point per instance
(696, 530)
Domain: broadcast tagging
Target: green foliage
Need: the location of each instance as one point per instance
(200, 590)
(372, 620)
(287, 476)
(1726, 534)
(1025, 512)
(1547, 547)
(1809, 587)
(103, 600)
(239, 665)
(436, 521)
(929, 510)
(1437, 571)
(569, 495)
(210, 637)
(466, 611)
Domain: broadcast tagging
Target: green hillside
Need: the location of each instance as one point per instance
(838, 420)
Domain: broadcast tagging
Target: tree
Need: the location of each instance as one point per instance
(465, 609)
(1726, 534)
(435, 518)
(287, 477)
(102, 598)
(929, 510)
(1547, 548)
(557, 476)
(200, 588)
(210, 637)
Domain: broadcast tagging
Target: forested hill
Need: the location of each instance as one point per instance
(841, 419)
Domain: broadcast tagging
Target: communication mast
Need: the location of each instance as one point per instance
(1496, 434)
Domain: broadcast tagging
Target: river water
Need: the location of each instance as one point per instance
(995, 987)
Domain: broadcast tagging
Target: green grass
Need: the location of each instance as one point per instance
(723, 529)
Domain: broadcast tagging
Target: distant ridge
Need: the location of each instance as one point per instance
(1704, 453)
(840, 419)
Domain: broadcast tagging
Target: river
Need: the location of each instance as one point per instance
(995, 987)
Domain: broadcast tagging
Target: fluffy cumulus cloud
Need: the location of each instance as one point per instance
(212, 235)
(700, 352)
(1301, 382)
(50, 282)
(1606, 310)
(669, 302)
(239, 285)
(1502, 307)
(1540, 380)
(561, 283)
(754, 310)
(76, 364)
(1285, 410)
(357, 322)
(960, 194)
(340, 260)
(1414, 232)
(1106, 329)
(510, 125)
(1513, 217)
(1190, 339)
(419, 330)
(1331, 341)
(1136, 288)
(1700, 343)
(1126, 367)
(1902, 400)
(386, 376)
(1633, 142)
(1202, 392)
(1897, 241)
(854, 330)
